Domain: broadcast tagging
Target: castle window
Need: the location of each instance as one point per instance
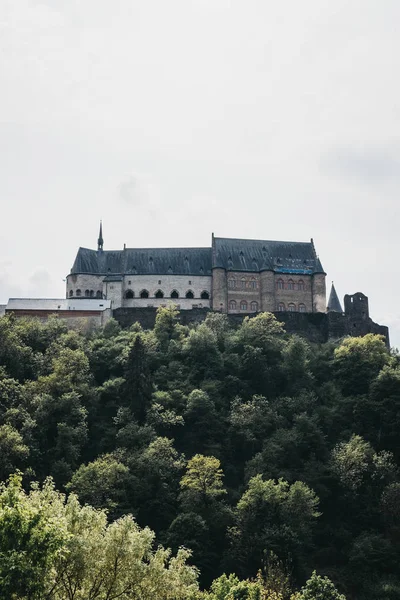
(300, 285)
(243, 305)
(129, 294)
(92, 293)
(99, 294)
(71, 293)
(174, 294)
(189, 294)
(205, 295)
(243, 284)
(232, 305)
(159, 294)
(281, 307)
(159, 282)
(87, 293)
(290, 284)
(129, 282)
(232, 284)
(280, 285)
(302, 308)
(253, 284)
(144, 294)
(254, 306)
(78, 293)
(190, 283)
(291, 307)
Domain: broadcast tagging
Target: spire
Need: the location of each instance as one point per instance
(100, 241)
(334, 302)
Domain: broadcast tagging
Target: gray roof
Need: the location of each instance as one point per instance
(144, 261)
(57, 304)
(259, 255)
(334, 302)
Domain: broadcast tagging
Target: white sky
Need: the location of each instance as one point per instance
(170, 119)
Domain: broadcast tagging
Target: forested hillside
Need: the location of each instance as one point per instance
(263, 455)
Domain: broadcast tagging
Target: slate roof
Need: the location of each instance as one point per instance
(259, 255)
(334, 302)
(144, 261)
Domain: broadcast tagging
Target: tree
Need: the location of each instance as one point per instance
(138, 381)
(33, 535)
(52, 547)
(102, 483)
(272, 516)
(165, 325)
(319, 588)
(13, 451)
(202, 482)
(357, 361)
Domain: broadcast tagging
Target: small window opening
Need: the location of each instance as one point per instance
(159, 294)
(174, 294)
(144, 294)
(189, 294)
(205, 295)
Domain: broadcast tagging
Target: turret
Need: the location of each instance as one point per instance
(334, 302)
(100, 240)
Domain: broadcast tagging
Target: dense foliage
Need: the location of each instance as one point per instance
(262, 455)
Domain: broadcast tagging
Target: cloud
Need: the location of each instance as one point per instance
(367, 165)
(142, 192)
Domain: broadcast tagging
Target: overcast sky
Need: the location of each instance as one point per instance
(172, 119)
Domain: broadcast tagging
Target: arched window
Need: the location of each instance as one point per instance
(78, 293)
(243, 284)
(232, 304)
(71, 293)
(254, 306)
(99, 294)
(290, 284)
(302, 308)
(205, 295)
(291, 307)
(231, 284)
(174, 294)
(280, 285)
(243, 305)
(87, 293)
(92, 293)
(253, 284)
(300, 285)
(189, 294)
(159, 294)
(281, 307)
(129, 294)
(144, 294)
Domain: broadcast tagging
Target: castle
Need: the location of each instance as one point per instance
(233, 276)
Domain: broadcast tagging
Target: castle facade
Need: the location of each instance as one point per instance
(233, 276)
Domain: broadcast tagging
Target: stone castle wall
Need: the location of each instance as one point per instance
(316, 327)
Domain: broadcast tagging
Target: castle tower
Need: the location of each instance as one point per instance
(334, 302)
(100, 241)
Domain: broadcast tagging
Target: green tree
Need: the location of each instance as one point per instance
(272, 516)
(33, 535)
(202, 481)
(13, 451)
(357, 361)
(138, 380)
(102, 483)
(319, 588)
